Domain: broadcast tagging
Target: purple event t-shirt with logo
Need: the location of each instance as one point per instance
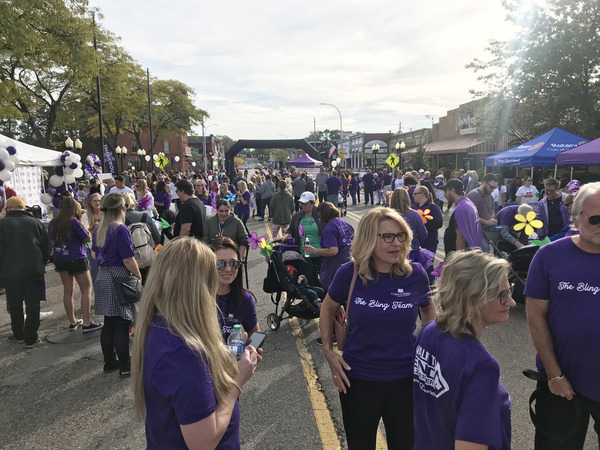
(458, 394)
(337, 233)
(178, 390)
(246, 316)
(467, 221)
(567, 277)
(74, 249)
(383, 315)
(117, 246)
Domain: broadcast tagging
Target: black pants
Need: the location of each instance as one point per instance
(367, 195)
(366, 402)
(28, 290)
(296, 203)
(265, 203)
(114, 337)
(322, 196)
(562, 424)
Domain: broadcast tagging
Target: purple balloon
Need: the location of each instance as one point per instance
(11, 150)
(56, 201)
(72, 187)
(52, 191)
(63, 158)
(59, 171)
(60, 189)
(1, 192)
(73, 166)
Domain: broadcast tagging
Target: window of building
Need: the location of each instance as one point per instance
(134, 146)
(166, 147)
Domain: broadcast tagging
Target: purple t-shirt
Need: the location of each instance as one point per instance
(117, 246)
(506, 216)
(368, 180)
(164, 198)
(208, 201)
(246, 316)
(74, 249)
(244, 209)
(457, 393)
(483, 203)
(353, 183)
(387, 179)
(333, 185)
(567, 277)
(467, 221)
(417, 226)
(337, 233)
(178, 390)
(383, 315)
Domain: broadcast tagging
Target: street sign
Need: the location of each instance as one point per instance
(342, 153)
(392, 160)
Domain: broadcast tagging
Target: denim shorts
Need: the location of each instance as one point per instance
(73, 267)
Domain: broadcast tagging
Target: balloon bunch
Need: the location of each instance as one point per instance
(64, 179)
(8, 162)
(93, 166)
(160, 160)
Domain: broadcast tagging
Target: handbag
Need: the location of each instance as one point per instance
(341, 321)
(128, 289)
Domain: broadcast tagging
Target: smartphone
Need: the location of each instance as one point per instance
(257, 339)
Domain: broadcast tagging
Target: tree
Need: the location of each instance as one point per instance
(419, 160)
(326, 135)
(548, 74)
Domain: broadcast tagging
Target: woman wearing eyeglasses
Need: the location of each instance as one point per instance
(459, 400)
(374, 375)
(236, 304)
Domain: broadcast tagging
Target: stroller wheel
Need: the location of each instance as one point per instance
(273, 321)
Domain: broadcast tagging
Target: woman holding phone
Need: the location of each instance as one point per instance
(185, 381)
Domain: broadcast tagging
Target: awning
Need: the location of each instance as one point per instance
(459, 145)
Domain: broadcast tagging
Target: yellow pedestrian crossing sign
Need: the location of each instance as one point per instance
(392, 160)
(342, 153)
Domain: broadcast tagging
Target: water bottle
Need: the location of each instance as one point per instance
(306, 242)
(235, 342)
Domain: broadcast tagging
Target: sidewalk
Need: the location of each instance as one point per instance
(56, 396)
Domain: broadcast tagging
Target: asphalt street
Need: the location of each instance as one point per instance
(56, 397)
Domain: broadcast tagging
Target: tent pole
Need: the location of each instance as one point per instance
(555, 168)
(531, 173)
(571, 172)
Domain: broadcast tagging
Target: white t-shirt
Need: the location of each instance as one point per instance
(528, 195)
(125, 190)
(497, 194)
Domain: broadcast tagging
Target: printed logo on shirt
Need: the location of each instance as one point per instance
(428, 373)
(581, 287)
(400, 293)
(381, 305)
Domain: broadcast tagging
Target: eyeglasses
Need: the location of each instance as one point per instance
(593, 220)
(233, 263)
(503, 296)
(388, 238)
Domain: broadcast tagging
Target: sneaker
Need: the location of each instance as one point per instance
(15, 340)
(108, 368)
(259, 218)
(2, 291)
(74, 326)
(319, 341)
(93, 326)
(45, 315)
(33, 344)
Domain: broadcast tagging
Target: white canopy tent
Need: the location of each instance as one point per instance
(27, 177)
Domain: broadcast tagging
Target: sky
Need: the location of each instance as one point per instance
(262, 68)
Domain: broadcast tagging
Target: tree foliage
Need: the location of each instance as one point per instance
(548, 75)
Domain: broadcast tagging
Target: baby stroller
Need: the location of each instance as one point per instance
(519, 260)
(284, 261)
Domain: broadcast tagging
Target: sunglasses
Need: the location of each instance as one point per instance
(388, 238)
(593, 220)
(233, 263)
(503, 296)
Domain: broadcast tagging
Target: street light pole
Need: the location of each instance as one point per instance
(399, 147)
(204, 144)
(341, 127)
(375, 149)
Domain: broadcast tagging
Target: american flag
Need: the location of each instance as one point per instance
(331, 149)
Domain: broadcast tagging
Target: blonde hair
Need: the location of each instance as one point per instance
(189, 308)
(469, 280)
(400, 201)
(366, 238)
(426, 192)
(89, 208)
(144, 185)
(113, 215)
(243, 187)
(130, 201)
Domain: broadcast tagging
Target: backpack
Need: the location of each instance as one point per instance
(143, 244)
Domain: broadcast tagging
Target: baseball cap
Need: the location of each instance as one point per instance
(15, 202)
(421, 170)
(455, 184)
(440, 176)
(307, 197)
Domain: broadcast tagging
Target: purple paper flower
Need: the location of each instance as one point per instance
(143, 203)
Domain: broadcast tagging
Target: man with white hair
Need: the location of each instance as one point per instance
(562, 312)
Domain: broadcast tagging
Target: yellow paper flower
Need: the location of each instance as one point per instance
(529, 223)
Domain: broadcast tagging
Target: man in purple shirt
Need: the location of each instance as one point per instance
(368, 180)
(333, 188)
(562, 312)
(464, 229)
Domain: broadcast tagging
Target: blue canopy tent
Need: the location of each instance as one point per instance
(538, 152)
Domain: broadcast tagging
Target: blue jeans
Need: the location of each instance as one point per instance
(353, 195)
(333, 198)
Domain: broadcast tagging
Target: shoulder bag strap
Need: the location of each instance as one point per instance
(351, 289)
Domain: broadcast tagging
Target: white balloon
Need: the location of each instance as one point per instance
(147, 157)
(70, 178)
(15, 159)
(133, 168)
(46, 198)
(10, 166)
(210, 177)
(56, 181)
(75, 157)
(5, 175)
(333, 163)
(4, 155)
(177, 158)
(338, 160)
(154, 157)
(78, 173)
(157, 164)
(68, 171)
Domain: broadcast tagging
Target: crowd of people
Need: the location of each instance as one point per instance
(440, 389)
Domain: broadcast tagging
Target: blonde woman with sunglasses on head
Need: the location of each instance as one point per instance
(185, 381)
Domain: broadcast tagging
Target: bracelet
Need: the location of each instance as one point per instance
(555, 379)
(235, 385)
